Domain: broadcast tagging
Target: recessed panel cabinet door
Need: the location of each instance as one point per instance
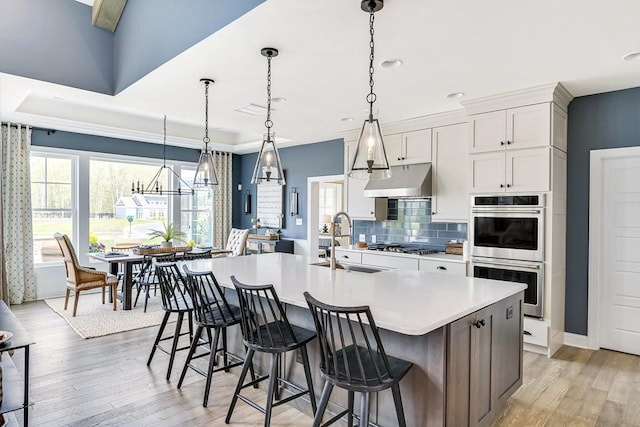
(393, 146)
(459, 372)
(482, 368)
(488, 172)
(529, 126)
(487, 131)
(417, 146)
(528, 170)
(450, 200)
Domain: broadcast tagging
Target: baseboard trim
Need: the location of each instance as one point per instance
(576, 340)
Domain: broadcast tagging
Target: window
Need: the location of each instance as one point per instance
(115, 214)
(52, 201)
(330, 198)
(196, 218)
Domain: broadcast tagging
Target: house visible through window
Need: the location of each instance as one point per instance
(196, 212)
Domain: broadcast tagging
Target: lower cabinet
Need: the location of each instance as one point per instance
(436, 266)
(484, 362)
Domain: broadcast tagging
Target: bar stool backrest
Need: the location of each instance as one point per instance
(265, 326)
(350, 347)
(172, 287)
(210, 306)
(147, 273)
(197, 255)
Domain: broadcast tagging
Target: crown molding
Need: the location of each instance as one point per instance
(553, 92)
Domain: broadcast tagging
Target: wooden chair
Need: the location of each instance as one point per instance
(353, 358)
(82, 278)
(266, 329)
(237, 241)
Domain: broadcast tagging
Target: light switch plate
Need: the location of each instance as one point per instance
(361, 238)
(373, 238)
(298, 221)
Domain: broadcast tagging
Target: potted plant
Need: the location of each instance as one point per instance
(168, 234)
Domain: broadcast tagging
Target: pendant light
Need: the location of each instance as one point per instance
(155, 186)
(370, 160)
(268, 167)
(206, 175)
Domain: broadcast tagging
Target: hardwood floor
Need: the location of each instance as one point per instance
(105, 381)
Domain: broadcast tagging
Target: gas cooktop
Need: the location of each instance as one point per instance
(403, 249)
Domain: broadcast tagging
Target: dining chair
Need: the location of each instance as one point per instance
(266, 329)
(211, 311)
(82, 278)
(146, 277)
(352, 357)
(189, 256)
(237, 241)
(175, 299)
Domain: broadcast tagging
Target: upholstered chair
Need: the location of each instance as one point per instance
(82, 278)
(237, 241)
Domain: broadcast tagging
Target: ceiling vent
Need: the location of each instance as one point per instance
(252, 109)
(106, 13)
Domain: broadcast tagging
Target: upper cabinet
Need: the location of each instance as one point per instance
(513, 128)
(450, 200)
(511, 172)
(408, 147)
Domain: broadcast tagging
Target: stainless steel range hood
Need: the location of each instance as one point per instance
(405, 181)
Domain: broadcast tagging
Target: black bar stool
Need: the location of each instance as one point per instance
(265, 328)
(353, 358)
(146, 278)
(174, 300)
(211, 311)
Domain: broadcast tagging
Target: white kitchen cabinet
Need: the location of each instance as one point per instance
(408, 147)
(389, 261)
(358, 206)
(450, 200)
(347, 256)
(511, 171)
(436, 266)
(513, 128)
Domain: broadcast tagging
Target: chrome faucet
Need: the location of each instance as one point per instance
(332, 261)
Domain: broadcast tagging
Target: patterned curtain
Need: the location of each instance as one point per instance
(222, 199)
(17, 233)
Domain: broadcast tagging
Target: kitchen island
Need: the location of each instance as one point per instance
(464, 335)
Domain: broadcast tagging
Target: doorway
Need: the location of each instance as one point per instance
(614, 250)
(317, 187)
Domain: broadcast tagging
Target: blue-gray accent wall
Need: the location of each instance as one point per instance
(299, 163)
(54, 41)
(151, 32)
(103, 144)
(607, 120)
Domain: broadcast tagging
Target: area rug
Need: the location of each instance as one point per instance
(94, 319)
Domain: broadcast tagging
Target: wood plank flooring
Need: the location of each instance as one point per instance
(105, 381)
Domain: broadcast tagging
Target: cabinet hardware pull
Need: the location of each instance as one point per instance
(501, 142)
(508, 142)
(440, 267)
(433, 212)
(527, 333)
(399, 158)
(477, 324)
(482, 323)
(501, 185)
(345, 256)
(508, 185)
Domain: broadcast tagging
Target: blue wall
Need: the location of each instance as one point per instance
(54, 41)
(608, 120)
(102, 144)
(151, 32)
(299, 163)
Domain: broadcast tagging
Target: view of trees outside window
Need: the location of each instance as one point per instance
(196, 214)
(52, 201)
(116, 215)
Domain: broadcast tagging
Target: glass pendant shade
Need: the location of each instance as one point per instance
(370, 160)
(268, 166)
(206, 175)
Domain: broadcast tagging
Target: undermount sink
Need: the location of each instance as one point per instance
(349, 267)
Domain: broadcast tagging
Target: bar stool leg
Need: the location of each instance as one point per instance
(364, 409)
(174, 345)
(212, 362)
(350, 408)
(248, 362)
(158, 337)
(307, 374)
(225, 358)
(398, 402)
(324, 400)
(192, 350)
(271, 388)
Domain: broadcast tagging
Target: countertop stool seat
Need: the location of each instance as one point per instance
(175, 299)
(266, 329)
(211, 311)
(353, 358)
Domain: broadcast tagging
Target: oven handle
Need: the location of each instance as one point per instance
(506, 211)
(514, 265)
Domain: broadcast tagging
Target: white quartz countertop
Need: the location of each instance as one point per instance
(408, 302)
(440, 256)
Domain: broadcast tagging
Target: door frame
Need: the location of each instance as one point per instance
(313, 191)
(597, 158)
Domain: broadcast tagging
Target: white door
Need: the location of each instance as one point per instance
(619, 278)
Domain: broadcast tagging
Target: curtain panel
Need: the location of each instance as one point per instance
(18, 274)
(222, 199)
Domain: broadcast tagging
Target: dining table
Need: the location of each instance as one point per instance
(127, 259)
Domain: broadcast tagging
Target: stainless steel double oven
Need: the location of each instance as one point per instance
(507, 243)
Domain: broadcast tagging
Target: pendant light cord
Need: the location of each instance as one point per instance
(206, 117)
(268, 123)
(371, 97)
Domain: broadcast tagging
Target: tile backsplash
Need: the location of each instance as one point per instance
(409, 221)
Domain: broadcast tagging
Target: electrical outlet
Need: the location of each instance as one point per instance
(373, 238)
(361, 238)
(298, 221)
